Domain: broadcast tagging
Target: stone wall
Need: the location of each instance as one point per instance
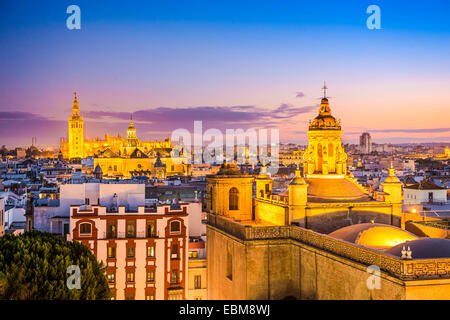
(288, 261)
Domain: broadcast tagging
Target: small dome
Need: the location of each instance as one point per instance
(373, 235)
(391, 178)
(324, 121)
(228, 169)
(424, 248)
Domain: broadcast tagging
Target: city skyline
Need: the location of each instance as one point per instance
(229, 65)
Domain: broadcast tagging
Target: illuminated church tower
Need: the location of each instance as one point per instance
(325, 154)
(76, 131)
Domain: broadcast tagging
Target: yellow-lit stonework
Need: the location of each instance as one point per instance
(276, 246)
(116, 156)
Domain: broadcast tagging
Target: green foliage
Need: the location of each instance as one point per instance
(34, 266)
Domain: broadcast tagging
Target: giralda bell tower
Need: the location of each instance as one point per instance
(76, 131)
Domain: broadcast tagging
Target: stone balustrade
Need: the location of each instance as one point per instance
(403, 269)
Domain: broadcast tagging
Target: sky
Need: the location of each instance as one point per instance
(231, 64)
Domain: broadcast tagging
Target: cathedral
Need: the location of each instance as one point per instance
(316, 238)
(119, 157)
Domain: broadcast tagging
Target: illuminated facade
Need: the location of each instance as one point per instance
(79, 147)
(116, 156)
(75, 145)
(286, 245)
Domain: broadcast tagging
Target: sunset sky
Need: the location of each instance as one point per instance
(232, 64)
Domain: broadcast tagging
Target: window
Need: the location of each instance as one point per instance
(151, 229)
(174, 254)
(175, 226)
(111, 277)
(86, 201)
(115, 168)
(111, 252)
(112, 230)
(267, 188)
(150, 296)
(174, 278)
(175, 294)
(233, 199)
(131, 229)
(130, 276)
(150, 275)
(85, 228)
(151, 251)
(130, 252)
(193, 254)
(197, 282)
(229, 264)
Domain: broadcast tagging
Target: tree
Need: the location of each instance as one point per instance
(33, 266)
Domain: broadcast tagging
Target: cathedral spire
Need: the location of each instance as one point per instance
(75, 106)
(131, 121)
(324, 89)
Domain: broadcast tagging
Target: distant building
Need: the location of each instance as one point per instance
(365, 143)
(424, 192)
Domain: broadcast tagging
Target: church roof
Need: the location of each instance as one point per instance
(108, 153)
(138, 154)
(373, 235)
(334, 190)
(424, 248)
(425, 184)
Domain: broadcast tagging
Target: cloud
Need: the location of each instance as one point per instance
(299, 94)
(426, 130)
(17, 115)
(287, 111)
(399, 130)
(213, 115)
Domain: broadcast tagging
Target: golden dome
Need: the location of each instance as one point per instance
(391, 178)
(373, 235)
(324, 121)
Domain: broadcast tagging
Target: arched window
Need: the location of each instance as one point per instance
(330, 150)
(234, 199)
(85, 228)
(175, 226)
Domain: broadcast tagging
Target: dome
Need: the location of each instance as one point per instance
(334, 190)
(324, 121)
(228, 169)
(373, 235)
(391, 178)
(424, 248)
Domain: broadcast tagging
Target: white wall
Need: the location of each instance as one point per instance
(414, 196)
(14, 215)
(196, 227)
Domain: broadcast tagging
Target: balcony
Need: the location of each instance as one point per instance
(126, 235)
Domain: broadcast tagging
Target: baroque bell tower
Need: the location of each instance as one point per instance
(325, 154)
(76, 132)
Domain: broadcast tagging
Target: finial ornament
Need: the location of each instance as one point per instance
(75, 94)
(324, 89)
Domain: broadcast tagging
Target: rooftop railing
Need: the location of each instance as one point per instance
(393, 265)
